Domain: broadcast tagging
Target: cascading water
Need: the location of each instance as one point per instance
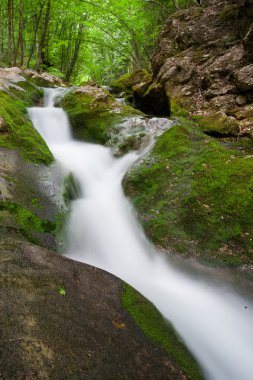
(103, 231)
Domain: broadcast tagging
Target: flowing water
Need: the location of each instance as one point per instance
(103, 231)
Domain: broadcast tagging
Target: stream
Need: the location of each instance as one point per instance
(213, 319)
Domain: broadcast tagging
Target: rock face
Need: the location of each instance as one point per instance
(204, 60)
(62, 320)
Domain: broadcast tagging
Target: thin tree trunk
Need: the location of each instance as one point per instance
(10, 52)
(20, 43)
(42, 43)
(75, 54)
(35, 34)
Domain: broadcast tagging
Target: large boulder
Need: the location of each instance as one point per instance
(244, 78)
(61, 319)
(94, 113)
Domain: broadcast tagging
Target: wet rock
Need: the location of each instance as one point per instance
(244, 78)
(63, 317)
(94, 112)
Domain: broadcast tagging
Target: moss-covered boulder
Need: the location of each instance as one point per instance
(219, 125)
(126, 82)
(201, 192)
(19, 132)
(93, 113)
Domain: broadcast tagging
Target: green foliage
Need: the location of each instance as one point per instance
(201, 194)
(155, 327)
(20, 133)
(62, 291)
(82, 39)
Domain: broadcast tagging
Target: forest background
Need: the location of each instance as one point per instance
(82, 40)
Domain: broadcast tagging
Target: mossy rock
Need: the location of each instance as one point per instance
(201, 194)
(178, 107)
(20, 134)
(93, 118)
(218, 125)
(133, 142)
(29, 93)
(72, 189)
(153, 100)
(126, 82)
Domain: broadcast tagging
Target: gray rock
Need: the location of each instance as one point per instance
(244, 78)
(224, 103)
(241, 100)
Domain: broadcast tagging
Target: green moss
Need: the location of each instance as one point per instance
(93, 119)
(71, 189)
(218, 125)
(27, 221)
(177, 109)
(131, 143)
(121, 84)
(201, 194)
(20, 133)
(126, 82)
(155, 327)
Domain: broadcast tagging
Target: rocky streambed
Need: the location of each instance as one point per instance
(60, 318)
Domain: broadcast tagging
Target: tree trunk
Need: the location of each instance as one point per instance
(42, 43)
(36, 28)
(75, 54)
(20, 43)
(10, 29)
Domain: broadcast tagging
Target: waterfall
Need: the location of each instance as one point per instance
(103, 231)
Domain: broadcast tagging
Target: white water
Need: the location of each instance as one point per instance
(103, 232)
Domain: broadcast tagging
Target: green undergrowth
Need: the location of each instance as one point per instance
(156, 328)
(195, 195)
(19, 133)
(93, 119)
